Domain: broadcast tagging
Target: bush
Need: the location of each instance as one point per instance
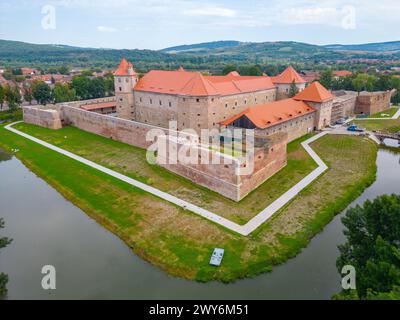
(14, 115)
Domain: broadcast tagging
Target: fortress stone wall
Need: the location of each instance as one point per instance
(373, 102)
(269, 155)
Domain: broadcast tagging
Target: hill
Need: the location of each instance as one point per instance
(202, 46)
(392, 46)
(210, 56)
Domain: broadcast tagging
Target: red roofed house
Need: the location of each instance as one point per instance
(194, 100)
(341, 73)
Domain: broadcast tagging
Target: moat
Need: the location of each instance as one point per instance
(93, 263)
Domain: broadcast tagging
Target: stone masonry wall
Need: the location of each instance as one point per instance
(373, 102)
(46, 117)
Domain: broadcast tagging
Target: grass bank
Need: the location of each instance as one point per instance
(391, 126)
(385, 114)
(132, 162)
(180, 242)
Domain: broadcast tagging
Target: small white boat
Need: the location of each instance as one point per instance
(216, 257)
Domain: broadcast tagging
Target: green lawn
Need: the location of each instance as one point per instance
(131, 161)
(388, 113)
(391, 126)
(178, 241)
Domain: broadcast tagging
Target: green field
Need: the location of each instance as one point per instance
(178, 241)
(391, 126)
(131, 161)
(385, 114)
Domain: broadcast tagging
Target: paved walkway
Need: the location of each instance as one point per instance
(244, 230)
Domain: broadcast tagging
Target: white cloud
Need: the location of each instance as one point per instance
(211, 12)
(106, 29)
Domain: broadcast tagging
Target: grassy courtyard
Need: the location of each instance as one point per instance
(178, 241)
(388, 113)
(391, 126)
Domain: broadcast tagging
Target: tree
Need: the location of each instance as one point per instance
(364, 81)
(229, 68)
(3, 277)
(109, 84)
(63, 93)
(63, 70)
(250, 70)
(2, 97)
(81, 86)
(373, 245)
(326, 79)
(293, 90)
(41, 92)
(96, 88)
(12, 96)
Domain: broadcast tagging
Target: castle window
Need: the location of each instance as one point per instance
(140, 99)
(226, 105)
(198, 114)
(212, 99)
(120, 88)
(126, 80)
(119, 80)
(235, 103)
(170, 104)
(245, 101)
(151, 101)
(197, 100)
(160, 103)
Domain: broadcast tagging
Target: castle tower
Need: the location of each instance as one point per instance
(317, 96)
(284, 80)
(125, 78)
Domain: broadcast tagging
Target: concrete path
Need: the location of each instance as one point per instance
(397, 114)
(244, 230)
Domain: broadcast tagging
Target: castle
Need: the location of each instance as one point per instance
(261, 104)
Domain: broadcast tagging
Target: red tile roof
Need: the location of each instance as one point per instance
(123, 69)
(341, 73)
(288, 76)
(315, 92)
(195, 84)
(96, 106)
(270, 114)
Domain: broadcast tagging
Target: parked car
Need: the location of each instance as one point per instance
(354, 128)
(341, 121)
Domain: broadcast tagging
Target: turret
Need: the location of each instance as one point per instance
(125, 79)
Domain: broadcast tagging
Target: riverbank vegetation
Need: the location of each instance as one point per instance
(179, 241)
(373, 249)
(4, 241)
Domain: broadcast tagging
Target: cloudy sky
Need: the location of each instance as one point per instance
(156, 24)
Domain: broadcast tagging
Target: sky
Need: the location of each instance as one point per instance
(157, 24)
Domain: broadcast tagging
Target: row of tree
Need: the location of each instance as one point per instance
(360, 82)
(81, 88)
